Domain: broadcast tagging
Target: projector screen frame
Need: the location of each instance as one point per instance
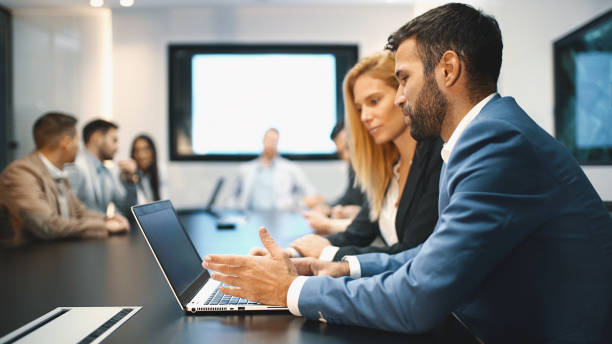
(179, 92)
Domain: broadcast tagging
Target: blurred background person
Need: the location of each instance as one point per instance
(399, 176)
(95, 179)
(335, 217)
(151, 184)
(271, 181)
(37, 194)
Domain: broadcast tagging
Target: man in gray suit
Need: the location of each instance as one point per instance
(39, 198)
(94, 182)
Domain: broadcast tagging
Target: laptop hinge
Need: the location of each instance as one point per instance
(194, 288)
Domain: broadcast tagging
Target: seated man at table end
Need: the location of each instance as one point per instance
(522, 250)
(39, 197)
(271, 182)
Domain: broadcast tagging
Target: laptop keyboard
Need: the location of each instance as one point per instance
(218, 298)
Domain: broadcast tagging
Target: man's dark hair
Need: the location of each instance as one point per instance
(473, 35)
(337, 129)
(97, 125)
(51, 127)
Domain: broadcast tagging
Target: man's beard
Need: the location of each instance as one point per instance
(105, 155)
(428, 112)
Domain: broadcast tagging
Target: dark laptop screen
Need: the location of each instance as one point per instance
(172, 247)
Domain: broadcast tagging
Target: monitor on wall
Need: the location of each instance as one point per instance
(223, 97)
(583, 91)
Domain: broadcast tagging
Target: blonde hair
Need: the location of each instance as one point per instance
(373, 163)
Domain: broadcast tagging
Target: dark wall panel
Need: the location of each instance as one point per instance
(6, 124)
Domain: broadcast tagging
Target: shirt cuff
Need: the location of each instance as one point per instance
(293, 253)
(293, 295)
(329, 253)
(354, 266)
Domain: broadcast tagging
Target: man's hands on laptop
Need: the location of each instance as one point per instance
(266, 278)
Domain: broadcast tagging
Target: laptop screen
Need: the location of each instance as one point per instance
(173, 249)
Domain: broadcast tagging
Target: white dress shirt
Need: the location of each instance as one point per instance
(59, 176)
(295, 288)
(448, 146)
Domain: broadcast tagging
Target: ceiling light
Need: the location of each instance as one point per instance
(96, 3)
(126, 3)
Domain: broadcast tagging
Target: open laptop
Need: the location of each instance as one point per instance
(181, 265)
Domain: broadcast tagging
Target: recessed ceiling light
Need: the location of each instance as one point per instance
(96, 3)
(126, 3)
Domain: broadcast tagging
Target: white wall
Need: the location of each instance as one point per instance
(140, 39)
(62, 61)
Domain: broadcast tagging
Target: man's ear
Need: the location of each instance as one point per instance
(95, 137)
(450, 68)
(65, 141)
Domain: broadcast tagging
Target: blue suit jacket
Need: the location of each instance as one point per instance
(522, 250)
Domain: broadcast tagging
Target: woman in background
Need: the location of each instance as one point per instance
(398, 174)
(150, 186)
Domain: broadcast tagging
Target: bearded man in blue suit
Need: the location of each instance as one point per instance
(522, 251)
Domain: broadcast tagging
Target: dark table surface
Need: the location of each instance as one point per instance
(121, 271)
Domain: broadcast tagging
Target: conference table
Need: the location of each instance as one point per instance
(121, 271)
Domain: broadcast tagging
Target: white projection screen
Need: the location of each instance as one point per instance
(224, 98)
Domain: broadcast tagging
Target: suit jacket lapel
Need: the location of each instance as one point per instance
(443, 196)
(49, 187)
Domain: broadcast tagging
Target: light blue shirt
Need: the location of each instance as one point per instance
(96, 186)
(262, 191)
(290, 185)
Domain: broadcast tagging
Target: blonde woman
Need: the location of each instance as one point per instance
(399, 176)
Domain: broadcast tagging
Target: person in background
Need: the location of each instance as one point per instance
(98, 186)
(335, 217)
(270, 181)
(399, 175)
(522, 252)
(39, 197)
(151, 185)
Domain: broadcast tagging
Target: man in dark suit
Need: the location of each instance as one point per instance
(522, 251)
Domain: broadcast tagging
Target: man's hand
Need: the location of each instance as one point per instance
(262, 252)
(318, 221)
(128, 169)
(265, 279)
(312, 201)
(117, 224)
(128, 166)
(316, 267)
(310, 245)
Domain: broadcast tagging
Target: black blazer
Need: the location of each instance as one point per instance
(417, 212)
